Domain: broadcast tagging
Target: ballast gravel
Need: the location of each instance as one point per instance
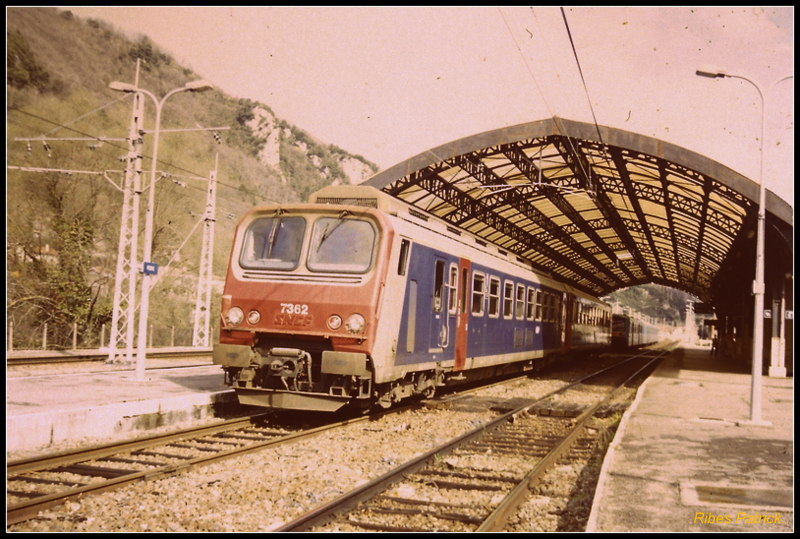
(264, 490)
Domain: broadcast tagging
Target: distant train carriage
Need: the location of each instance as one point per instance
(631, 332)
(358, 298)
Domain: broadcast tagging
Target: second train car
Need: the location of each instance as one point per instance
(632, 332)
(357, 298)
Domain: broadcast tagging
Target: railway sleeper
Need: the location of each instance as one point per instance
(32, 479)
(193, 447)
(462, 475)
(433, 503)
(456, 517)
(385, 527)
(161, 454)
(444, 484)
(518, 450)
(419, 520)
(246, 437)
(132, 461)
(557, 410)
(93, 471)
(23, 494)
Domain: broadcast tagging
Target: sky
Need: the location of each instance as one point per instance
(387, 83)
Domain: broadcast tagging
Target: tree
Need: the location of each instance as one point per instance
(54, 276)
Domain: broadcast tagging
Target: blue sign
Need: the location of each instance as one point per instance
(150, 268)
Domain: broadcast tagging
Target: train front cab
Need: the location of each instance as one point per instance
(299, 307)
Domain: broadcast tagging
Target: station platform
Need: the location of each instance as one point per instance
(46, 411)
(687, 458)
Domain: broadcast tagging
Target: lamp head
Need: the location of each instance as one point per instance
(198, 86)
(122, 86)
(711, 72)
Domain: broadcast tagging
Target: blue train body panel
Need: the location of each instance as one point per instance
(428, 334)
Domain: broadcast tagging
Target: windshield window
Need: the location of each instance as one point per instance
(273, 243)
(341, 245)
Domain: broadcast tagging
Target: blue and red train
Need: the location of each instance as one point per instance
(357, 298)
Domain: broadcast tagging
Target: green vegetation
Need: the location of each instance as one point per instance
(656, 301)
(62, 227)
(24, 70)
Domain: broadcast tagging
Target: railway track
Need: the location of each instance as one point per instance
(38, 483)
(44, 357)
(476, 481)
(34, 484)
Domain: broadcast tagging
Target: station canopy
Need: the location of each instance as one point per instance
(596, 207)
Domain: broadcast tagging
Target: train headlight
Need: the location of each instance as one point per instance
(355, 323)
(235, 316)
(334, 322)
(253, 317)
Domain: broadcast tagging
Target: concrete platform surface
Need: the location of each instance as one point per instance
(46, 410)
(687, 458)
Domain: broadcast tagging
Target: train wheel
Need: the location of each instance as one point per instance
(384, 397)
(430, 390)
(425, 385)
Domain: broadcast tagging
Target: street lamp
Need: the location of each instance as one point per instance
(144, 308)
(758, 282)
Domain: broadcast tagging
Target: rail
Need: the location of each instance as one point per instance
(495, 520)
(30, 357)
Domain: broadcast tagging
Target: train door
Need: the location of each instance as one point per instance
(566, 321)
(444, 304)
(462, 316)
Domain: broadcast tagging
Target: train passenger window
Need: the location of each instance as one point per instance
(341, 245)
(538, 305)
(438, 285)
(478, 293)
(402, 264)
(508, 300)
(494, 297)
(530, 304)
(273, 243)
(452, 289)
(520, 301)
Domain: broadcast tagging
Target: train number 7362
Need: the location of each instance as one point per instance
(294, 308)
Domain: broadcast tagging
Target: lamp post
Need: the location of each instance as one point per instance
(147, 265)
(758, 282)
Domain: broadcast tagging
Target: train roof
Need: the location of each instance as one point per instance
(371, 197)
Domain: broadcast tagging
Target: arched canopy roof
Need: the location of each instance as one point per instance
(597, 207)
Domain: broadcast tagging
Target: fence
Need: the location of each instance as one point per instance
(157, 336)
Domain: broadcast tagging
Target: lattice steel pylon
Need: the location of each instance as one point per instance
(124, 314)
(202, 305)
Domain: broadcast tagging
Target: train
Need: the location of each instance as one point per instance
(358, 299)
(632, 331)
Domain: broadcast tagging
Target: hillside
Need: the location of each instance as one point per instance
(660, 303)
(63, 215)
